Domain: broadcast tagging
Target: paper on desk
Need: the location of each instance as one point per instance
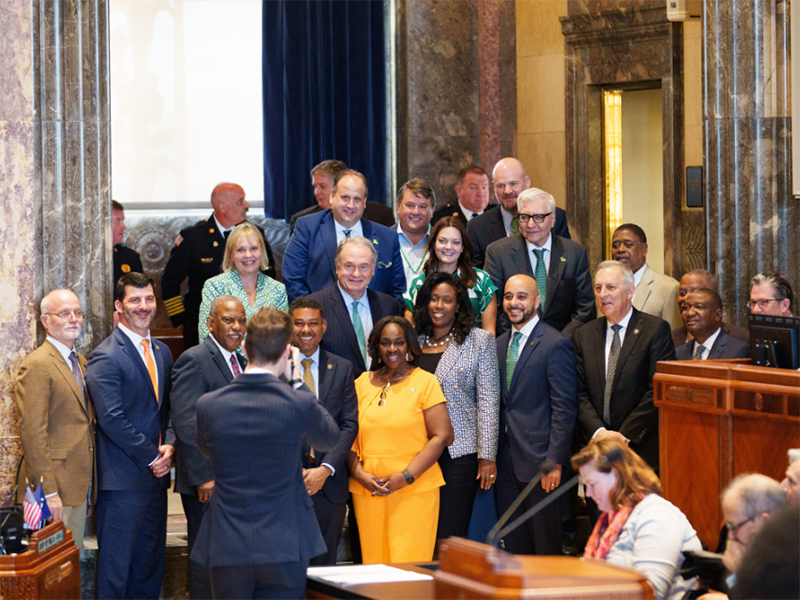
(355, 574)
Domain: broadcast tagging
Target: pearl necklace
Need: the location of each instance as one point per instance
(447, 339)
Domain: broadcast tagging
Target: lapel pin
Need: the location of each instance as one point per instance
(413, 390)
(375, 242)
(563, 259)
(330, 367)
(635, 331)
(215, 244)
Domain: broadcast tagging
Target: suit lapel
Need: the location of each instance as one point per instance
(719, 346)
(502, 357)
(343, 316)
(328, 234)
(598, 357)
(136, 359)
(450, 357)
(218, 359)
(527, 351)
(496, 226)
(66, 372)
(631, 337)
(643, 291)
(519, 254)
(327, 372)
(161, 368)
(556, 271)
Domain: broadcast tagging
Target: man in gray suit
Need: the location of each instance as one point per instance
(202, 369)
(558, 265)
(702, 315)
(330, 378)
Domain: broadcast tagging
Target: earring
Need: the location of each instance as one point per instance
(408, 357)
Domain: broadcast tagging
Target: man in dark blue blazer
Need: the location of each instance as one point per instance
(622, 407)
(701, 312)
(560, 266)
(259, 532)
(309, 261)
(509, 180)
(331, 379)
(355, 264)
(537, 392)
(199, 370)
(128, 377)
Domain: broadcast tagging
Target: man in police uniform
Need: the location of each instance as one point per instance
(126, 260)
(198, 255)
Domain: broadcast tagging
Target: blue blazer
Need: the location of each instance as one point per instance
(309, 260)
(340, 337)
(540, 407)
(725, 346)
(337, 392)
(130, 422)
(199, 370)
(260, 512)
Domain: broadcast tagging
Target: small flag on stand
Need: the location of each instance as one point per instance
(42, 502)
(32, 512)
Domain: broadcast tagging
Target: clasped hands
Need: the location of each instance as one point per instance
(163, 463)
(382, 486)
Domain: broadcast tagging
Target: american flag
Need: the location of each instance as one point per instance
(31, 509)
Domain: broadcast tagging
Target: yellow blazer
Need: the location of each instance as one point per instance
(56, 428)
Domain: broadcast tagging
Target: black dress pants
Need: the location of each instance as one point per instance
(457, 496)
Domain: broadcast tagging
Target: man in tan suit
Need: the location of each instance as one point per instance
(656, 294)
(56, 418)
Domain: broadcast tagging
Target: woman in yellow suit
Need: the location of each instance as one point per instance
(403, 426)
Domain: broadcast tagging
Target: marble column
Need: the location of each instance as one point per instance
(456, 88)
(55, 168)
(753, 221)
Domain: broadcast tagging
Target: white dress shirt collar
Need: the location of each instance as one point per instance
(707, 345)
(226, 355)
(525, 330)
(507, 218)
(637, 277)
(355, 230)
(62, 349)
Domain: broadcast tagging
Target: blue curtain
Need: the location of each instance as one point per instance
(324, 96)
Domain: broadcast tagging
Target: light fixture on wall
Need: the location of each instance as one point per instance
(612, 164)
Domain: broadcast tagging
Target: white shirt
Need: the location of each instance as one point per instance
(220, 228)
(507, 218)
(363, 311)
(547, 247)
(314, 369)
(526, 331)
(227, 356)
(610, 333)
(468, 213)
(355, 230)
(707, 345)
(137, 342)
(637, 277)
(62, 350)
(413, 254)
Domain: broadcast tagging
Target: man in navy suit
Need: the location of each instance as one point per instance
(202, 369)
(347, 333)
(309, 260)
(701, 312)
(559, 266)
(509, 181)
(128, 377)
(617, 356)
(259, 532)
(537, 392)
(331, 379)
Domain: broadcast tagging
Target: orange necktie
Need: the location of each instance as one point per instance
(151, 366)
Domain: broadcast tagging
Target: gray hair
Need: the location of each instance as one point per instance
(627, 274)
(214, 309)
(778, 282)
(794, 455)
(536, 194)
(758, 494)
(358, 241)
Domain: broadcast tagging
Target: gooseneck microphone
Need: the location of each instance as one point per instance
(498, 531)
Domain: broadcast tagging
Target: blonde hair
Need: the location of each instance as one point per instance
(634, 478)
(244, 230)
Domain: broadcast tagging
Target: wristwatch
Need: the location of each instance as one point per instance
(409, 478)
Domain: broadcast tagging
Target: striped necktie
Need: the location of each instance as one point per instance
(511, 359)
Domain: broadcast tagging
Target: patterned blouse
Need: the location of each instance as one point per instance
(268, 293)
(480, 296)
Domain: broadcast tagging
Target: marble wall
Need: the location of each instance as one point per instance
(54, 166)
(456, 88)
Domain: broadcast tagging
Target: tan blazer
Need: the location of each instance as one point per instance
(657, 295)
(56, 428)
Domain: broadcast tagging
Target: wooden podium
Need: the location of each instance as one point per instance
(717, 420)
(51, 568)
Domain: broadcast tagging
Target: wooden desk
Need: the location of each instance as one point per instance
(717, 420)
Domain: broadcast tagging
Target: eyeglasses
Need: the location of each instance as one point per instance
(523, 218)
(762, 304)
(65, 314)
(732, 529)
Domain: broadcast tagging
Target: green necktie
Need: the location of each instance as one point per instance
(347, 233)
(359, 328)
(541, 274)
(515, 226)
(511, 359)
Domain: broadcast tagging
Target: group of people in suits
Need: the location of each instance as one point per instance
(275, 414)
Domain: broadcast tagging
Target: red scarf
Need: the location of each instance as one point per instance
(606, 531)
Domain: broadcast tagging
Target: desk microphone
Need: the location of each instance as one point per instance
(496, 533)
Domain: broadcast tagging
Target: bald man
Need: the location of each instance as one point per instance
(509, 181)
(198, 254)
